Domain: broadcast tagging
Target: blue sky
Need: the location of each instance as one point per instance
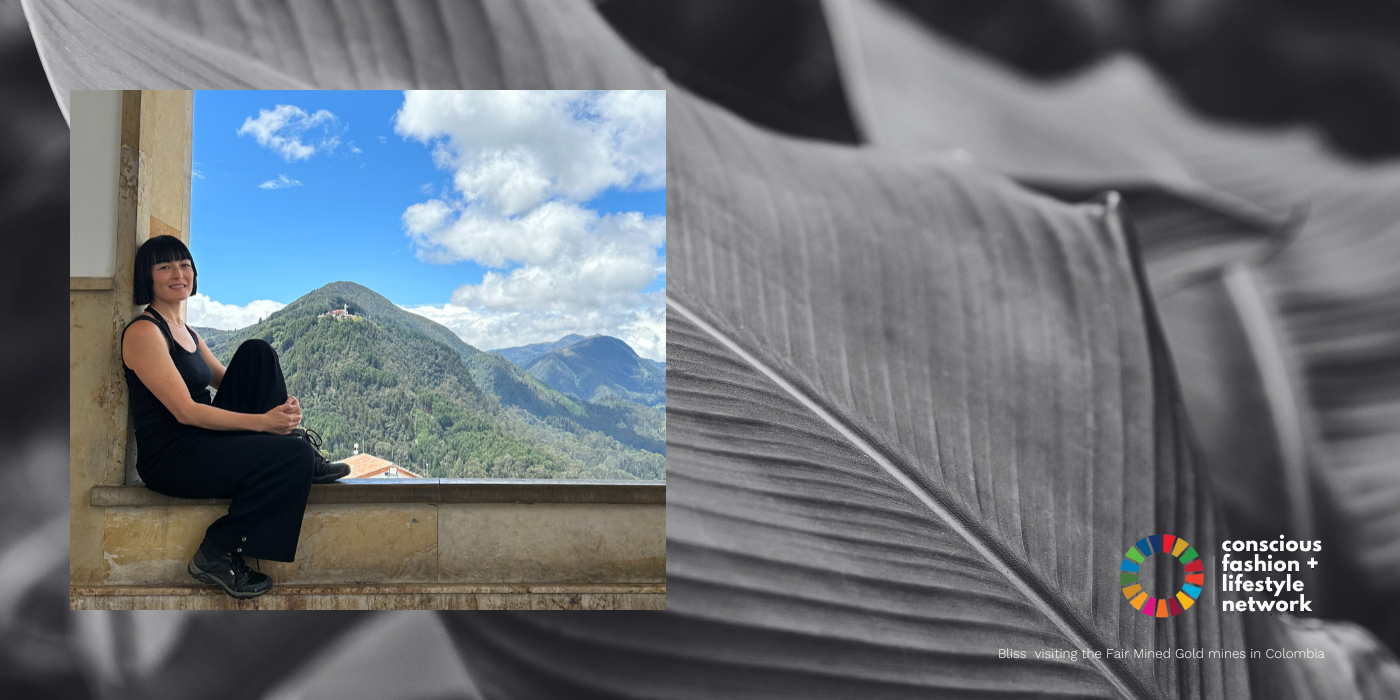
(294, 190)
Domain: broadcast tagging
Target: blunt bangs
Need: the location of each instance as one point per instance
(156, 250)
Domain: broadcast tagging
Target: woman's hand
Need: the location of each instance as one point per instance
(282, 419)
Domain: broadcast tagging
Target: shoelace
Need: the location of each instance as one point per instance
(313, 437)
(241, 572)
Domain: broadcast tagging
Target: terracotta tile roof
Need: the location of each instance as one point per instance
(364, 466)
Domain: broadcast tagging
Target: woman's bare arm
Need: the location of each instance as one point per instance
(146, 352)
(215, 367)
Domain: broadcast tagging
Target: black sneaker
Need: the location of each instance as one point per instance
(228, 571)
(325, 470)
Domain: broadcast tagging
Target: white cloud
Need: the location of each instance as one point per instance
(283, 127)
(522, 164)
(647, 331)
(208, 313)
(572, 258)
(637, 123)
(425, 218)
(643, 327)
(196, 175)
(281, 181)
(513, 149)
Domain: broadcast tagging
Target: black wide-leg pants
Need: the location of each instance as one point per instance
(267, 476)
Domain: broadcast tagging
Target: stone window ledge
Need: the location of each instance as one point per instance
(424, 491)
(386, 589)
(378, 597)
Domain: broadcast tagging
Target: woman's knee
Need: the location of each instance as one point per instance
(255, 346)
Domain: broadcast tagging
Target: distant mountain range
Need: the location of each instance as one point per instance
(593, 369)
(525, 353)
(410, 390)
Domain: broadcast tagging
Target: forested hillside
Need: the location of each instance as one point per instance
(600, 367)
(403, 387)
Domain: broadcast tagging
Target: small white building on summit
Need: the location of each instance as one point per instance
(342, 313)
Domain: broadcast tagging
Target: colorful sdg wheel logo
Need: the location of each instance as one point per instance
(1162, 544)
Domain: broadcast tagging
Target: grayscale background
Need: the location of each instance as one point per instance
(1282, 207)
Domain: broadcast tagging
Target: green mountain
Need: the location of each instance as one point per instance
(508, 382)
(407, 389)
(522, 355)
(601, 367)
(210, 334)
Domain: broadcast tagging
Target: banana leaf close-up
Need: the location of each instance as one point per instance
(944, 340)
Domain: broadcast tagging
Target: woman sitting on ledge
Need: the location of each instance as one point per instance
(243, 445)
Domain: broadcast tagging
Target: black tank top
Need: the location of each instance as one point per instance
(146, 410)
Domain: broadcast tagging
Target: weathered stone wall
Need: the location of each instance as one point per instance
(420, 543)
(378, 597)
(410, 543)
(153, 182)
(166, 143)
(463, 533)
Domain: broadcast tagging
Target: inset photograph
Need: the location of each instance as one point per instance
(368, 349)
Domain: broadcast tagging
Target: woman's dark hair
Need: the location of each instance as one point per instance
(159, 249)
